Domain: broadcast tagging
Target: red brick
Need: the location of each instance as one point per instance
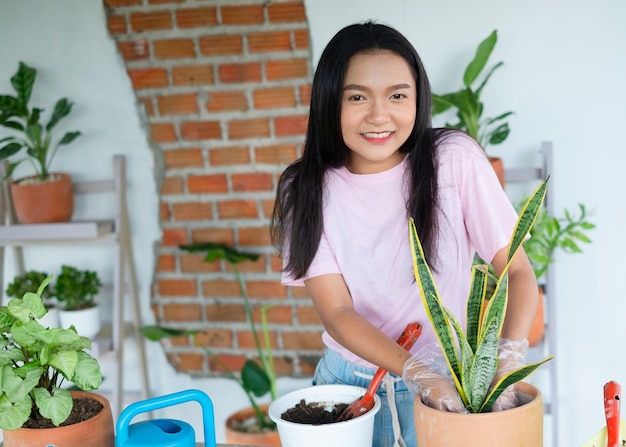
(166, 262)
(218, 235)
(229, 156)
(116, 3)
(301, 39)
(200, 130)
(172, 186)
(182, 312)
(265, 41)
(246, 340)
(267, 207)
(220, 288)
(274, 97)
(237, 209)
(242, 15)
(307, 315)
(207, 183)
(232, 362)
(192, 211)
(253, 181)
(133, 50)
(148, 78)
(305, 94)
(250, 128)
(195, 17)
(186, 362)
(147, 105)
(116, 24)
(177, 287)
(286, 12)
(178, 104)
(193, 75)
(194, 263)
(173, 237)
(303, 340)
(215, 338)
(164, 211)
(183, 158)
(150, 21)
(254, 237)
(221, 44)
(225, 312)
(163, 132)
(164, 2)
(286, 69)
(226, 101)
(276, 154)
(275, 314)
(266, 289)
(240, 73)
(174, 48)
(290, 125)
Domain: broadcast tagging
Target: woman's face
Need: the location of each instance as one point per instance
(378, 110)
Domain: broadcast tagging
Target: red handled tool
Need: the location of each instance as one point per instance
(611, 434)
(362, 405)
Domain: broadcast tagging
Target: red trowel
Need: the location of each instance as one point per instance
(613, 434)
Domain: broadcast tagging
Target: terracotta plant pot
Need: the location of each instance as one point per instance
(237, 437)
(538, 328)
(520, 427)
(95, 432)
(43, 202)
(498, 166)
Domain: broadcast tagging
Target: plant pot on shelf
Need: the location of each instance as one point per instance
(357, 432)
(43, 202)
(237, 437)
(538, 329)
(498, 166)
(521, 426)
(86, 321)
(96, 432)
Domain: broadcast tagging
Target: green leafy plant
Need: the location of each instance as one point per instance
(467, 101)
(258, 376)
(472, 357)
(36, 138)
(29, 282)
(77, 288)
(35, 361)
(551, 233)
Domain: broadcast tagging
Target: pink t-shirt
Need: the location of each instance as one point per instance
(366, 238)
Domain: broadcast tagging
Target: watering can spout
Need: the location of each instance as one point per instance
(164, 432)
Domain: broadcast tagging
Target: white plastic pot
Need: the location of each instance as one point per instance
(86, 321)
(357, 432)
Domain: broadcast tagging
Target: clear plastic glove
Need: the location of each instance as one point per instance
(425, 373)
(511, 356)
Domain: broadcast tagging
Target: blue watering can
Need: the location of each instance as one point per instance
(164, 432)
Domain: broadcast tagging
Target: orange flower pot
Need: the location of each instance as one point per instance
(43, 202)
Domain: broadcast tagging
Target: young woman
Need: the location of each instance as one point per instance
(371, 160)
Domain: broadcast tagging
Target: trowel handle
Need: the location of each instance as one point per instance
(156, 403)
(612, 398)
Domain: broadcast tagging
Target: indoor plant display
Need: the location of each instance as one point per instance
(30, 282)
(469, 106)
(30, 134)
(257, 377)
(77, 289)
(35, 361)
(473, 361)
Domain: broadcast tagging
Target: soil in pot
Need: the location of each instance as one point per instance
(84, 408)
(314, 413)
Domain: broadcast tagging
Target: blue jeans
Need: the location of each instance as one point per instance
(333, 368)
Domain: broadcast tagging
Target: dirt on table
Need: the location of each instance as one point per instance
(314, 413)
(83, 409)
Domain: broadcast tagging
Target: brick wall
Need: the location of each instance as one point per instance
(225, 86)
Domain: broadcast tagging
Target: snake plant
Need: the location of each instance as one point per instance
(472, 358)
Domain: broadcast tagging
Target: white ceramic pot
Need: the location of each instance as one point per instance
(357, 432)
(51, 319)
(86, 321)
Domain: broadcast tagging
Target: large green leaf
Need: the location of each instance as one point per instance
(476, 303)
(215, 251)
(23, 82)
(61, 109)
(254, 378)
(14, 414)
(16, 387)
(57, 406)
(480, 59)
(484, 365)
(87, 375)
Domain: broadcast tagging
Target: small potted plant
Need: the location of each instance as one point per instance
(250, 426)
(35, 361)
(77, 290)
(30, 282)
(471, 356)
(469, 106)
(46, 196)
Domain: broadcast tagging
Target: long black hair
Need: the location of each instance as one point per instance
(297, 220)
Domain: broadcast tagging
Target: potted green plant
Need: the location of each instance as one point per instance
(29, 133)
(30, 282)
(35, 362)
(471, 355)
(77, 290)
(257, 377)
(469, 106)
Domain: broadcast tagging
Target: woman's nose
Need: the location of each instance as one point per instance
(378, 113)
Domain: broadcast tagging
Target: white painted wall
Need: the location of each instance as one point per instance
(563, 76)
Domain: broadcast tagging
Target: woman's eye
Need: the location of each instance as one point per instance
(356, 98)
(398, 96)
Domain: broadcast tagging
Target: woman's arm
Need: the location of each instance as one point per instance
(336, 310)
(523, 294)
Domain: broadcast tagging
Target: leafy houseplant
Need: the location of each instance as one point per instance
(257, 377)
(473, 361)
(29, 282)
(35, 361)
(467, 100)
(36, 138)
(77, 288)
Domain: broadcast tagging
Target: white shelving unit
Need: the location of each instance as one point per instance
(114, 232)
(548, 345)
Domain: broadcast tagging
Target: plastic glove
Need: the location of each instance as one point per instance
(511, 356)
(426, 373)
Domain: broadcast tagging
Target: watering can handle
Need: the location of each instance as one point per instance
(145, 406)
